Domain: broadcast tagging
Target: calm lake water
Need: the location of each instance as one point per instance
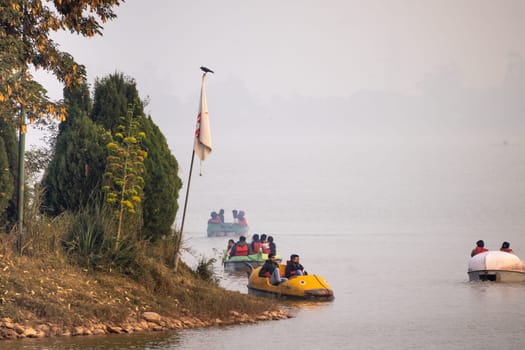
(389, 227)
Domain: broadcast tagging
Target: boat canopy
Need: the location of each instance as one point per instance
(495, 260)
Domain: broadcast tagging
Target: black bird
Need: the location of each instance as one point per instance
(206, 70)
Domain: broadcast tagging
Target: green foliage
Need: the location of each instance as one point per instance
(8, 173)
(6, 178)
(42, 235)
(85, 239)
(113, 95)
(205, 270)
(162, 184)
(125, 169)
(74, 175)
(25, 42)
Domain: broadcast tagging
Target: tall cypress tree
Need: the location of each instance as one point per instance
(113, 96)
(74, 175)
(162, 184)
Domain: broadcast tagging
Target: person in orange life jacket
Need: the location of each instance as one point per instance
(293, 267)
(214, 218)
(271, 269)
(505, 247)
(255, 245)
(265, 245)
(273, 247)
(480, 248)
(231, 243)
(241, 220)
(221, 215)
(240, 248)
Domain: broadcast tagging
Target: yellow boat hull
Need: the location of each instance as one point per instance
(302, 287)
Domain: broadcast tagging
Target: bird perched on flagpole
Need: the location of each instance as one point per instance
(206, 70)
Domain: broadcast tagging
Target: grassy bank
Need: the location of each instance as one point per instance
(50, 290)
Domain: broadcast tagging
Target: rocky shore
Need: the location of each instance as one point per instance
(146, 322)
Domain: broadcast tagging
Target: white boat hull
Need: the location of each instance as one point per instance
(496, 266)
(496, 276)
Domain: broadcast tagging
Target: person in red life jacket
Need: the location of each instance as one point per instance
(231, 243)
(270, 269)
(255, 245)
(265, 245)
(215, 219)
(293, 267)
(480, 248)
(273, 247)
(241, 220)
(505, 247)
(240, 248)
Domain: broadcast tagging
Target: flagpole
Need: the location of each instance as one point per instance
(178, 239)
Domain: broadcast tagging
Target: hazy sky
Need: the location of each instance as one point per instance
(313, 48)
(276, 53)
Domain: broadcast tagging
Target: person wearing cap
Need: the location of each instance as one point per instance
(505, 247)
(480, 248)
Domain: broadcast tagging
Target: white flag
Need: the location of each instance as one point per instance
(202, 144)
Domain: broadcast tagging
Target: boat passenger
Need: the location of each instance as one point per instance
(480, 248)
(505, 247)
(271, 269)
(234, 213)
(293, 267)
(214, 218)
(255, 245)
(231, 243)
(241, 220)
(264, 244)
(221, 215)
(240, 248)
(273, 247)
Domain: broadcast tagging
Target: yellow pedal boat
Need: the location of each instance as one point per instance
(303, 287)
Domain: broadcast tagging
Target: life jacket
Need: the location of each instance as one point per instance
(256, 246)
(478, 250)
(265, 247)
(241, 250)
(506, 250)
(217, 220)
(243, 222)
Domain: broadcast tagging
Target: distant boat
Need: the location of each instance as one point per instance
(227, 229)
(496, 266)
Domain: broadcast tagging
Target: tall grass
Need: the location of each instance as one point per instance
(42, 234)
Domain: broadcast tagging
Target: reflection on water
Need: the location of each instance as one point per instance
(146, 341)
